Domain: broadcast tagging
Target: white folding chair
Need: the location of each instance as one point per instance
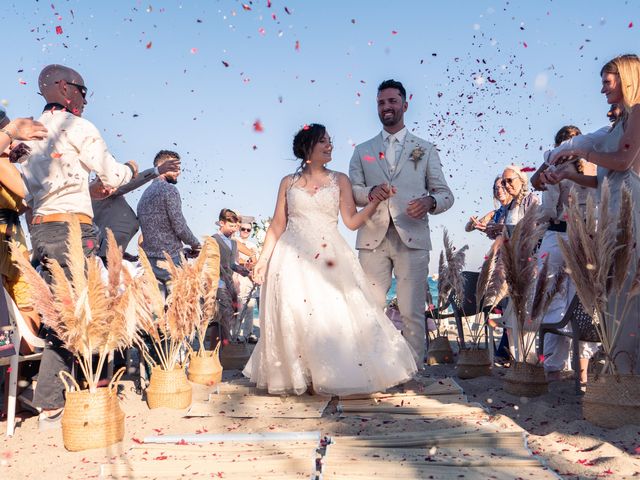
(20, 331)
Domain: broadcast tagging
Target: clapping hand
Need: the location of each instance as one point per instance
(171, 165)
(493, 230)
(26, 129)
(477, 224)
(98, 190)
(19, 151)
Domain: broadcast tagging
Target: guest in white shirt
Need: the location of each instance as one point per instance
(56, 174)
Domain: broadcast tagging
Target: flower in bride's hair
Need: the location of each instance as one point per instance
(416, 156)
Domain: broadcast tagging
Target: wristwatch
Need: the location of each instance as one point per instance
(435, 203)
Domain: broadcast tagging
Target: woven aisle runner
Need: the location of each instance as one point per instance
(437, 399)
(231, 458)
(472, 447)
(437, 454)
(240, 399)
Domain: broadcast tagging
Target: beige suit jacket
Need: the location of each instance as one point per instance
(369, 168)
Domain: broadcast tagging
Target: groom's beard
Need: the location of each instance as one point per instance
(391, 121)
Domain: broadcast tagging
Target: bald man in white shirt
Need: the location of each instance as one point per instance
(56, 174)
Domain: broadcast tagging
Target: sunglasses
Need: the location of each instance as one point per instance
(245, 229)
(508, 181)
(83, 90)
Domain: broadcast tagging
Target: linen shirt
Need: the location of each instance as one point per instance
(163, 226)
(56, 172)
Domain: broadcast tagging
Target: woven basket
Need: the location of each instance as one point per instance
(91, 419)
(612, 401)
(205, 367)
(525, 380)
(169, 389)
(439, 351)
(473, 363)
(234, 356)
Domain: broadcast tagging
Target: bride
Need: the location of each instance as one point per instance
(320, 327)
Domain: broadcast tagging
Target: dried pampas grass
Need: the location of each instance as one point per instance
(87, 316)
(520, 269)
(189, 307)
(450, 267)
(598, 254)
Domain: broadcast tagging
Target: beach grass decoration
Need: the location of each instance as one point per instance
(526, 283)
(450, 267)
(88, 316)
(599, 253)
(92, 318)
(491, 288)
(173, 324)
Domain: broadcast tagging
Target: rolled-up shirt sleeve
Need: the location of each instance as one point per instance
(96, 157)
(173, 205)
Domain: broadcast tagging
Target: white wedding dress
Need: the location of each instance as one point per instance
(319, 323)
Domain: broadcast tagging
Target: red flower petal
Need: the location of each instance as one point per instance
(58, 30)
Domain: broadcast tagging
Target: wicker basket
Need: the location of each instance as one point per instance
(234, 356)
(525, 380)
(612, 401)
(205, 367)
(169, 389)
(439, 351)
(91, 419)
(473, 363)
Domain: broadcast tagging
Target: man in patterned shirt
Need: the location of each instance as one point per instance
(163, 226)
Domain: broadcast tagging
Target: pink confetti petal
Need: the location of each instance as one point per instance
(194, 51)
(297, 47)
(257, 126)
(149, 45)
(630, 24)
(368, 158)
(58, 30)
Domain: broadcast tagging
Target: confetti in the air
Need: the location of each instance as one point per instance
(257, 126)
(58, 30)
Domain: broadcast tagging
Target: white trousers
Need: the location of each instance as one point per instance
(411, 268)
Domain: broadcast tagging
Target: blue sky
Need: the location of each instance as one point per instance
(490, 84)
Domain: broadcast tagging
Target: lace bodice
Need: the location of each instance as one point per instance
(312, 212)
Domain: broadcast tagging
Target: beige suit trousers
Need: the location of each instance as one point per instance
(411, 268)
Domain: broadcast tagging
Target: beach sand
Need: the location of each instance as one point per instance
(556, 431)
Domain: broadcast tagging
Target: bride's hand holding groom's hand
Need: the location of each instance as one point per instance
(381, 192)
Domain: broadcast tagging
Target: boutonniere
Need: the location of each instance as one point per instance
(416, 156)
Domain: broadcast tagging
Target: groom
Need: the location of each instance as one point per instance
(405, 172)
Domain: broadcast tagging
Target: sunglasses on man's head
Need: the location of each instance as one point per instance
(242, 229)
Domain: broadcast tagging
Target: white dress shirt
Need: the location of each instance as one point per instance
(56, 172)
(398, 146)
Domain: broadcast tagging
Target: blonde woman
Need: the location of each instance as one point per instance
(618, 159)
(516, 183)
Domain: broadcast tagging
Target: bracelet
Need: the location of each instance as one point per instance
(6, 132)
